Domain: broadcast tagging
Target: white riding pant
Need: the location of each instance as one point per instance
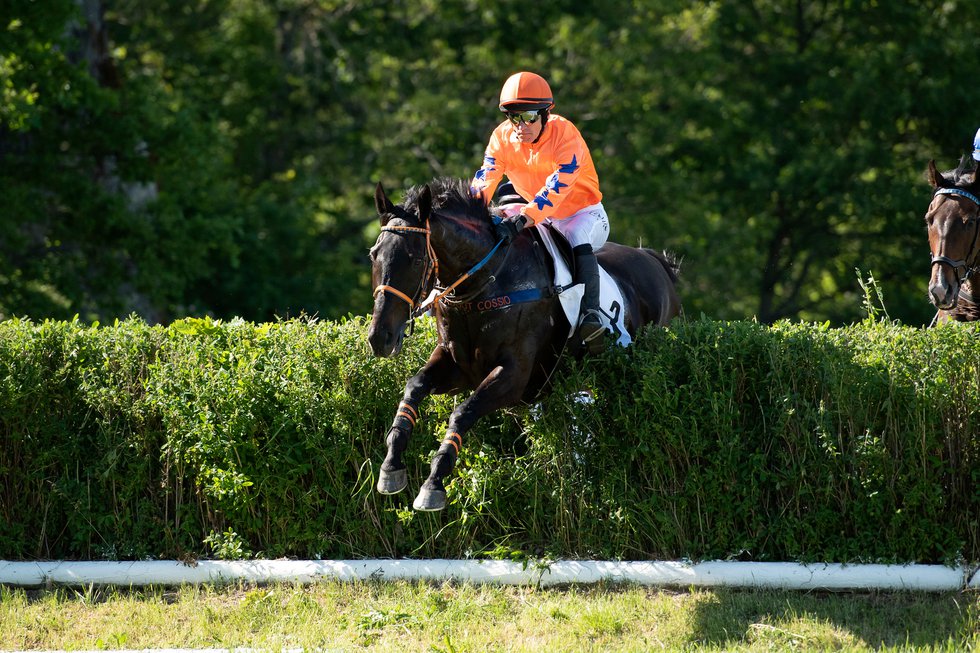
(590, 225)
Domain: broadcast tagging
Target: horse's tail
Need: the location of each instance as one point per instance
(670, 261)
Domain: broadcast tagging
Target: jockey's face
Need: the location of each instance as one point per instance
(528, 132)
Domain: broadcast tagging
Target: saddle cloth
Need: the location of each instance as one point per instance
(611, 301)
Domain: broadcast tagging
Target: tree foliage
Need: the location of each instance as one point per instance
(172, 159)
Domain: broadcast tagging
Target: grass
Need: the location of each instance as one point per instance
(405, 616)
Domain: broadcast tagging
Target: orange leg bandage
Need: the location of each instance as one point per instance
(407, 411)
(454, 439)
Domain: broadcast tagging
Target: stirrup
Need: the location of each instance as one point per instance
(590, 329)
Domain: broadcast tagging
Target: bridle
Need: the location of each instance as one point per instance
(432, 272)
(962, 264)
(431, 264)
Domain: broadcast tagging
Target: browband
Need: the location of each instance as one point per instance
(959, 191)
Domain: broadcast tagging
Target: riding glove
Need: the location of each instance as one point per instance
(511, 210)
(508, 228)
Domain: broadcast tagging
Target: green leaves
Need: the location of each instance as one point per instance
(708, 440)
(218, 159)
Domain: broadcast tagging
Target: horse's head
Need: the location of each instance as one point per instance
(953, 221)
(401, 269)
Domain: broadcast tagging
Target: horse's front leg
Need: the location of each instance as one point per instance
(502, 387)
(439, 375)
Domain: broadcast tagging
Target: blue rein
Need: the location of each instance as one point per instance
(493, 251)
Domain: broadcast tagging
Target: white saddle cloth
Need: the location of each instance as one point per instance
(612, 305)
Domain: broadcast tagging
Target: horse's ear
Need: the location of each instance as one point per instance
(425, 203)
(935, 179)
(383, 204)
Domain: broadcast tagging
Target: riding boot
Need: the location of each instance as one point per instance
(590, 328)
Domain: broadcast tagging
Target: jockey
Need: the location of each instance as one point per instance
(546, 159)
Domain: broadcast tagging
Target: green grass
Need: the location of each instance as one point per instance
(403, 616)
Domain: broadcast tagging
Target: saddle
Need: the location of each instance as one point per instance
(558, 251)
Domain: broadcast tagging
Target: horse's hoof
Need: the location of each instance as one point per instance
(430, 500)
(392, 482)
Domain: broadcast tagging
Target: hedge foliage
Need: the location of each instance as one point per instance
(707, 440)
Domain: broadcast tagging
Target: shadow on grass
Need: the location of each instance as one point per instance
(825, 619)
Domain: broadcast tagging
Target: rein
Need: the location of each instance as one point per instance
(444, 295)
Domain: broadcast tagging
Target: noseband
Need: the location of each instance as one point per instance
(961, 264)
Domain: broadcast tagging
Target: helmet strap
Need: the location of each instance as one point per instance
(544, 123)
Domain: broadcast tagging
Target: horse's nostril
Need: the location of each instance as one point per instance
(384, 343)
(379, 340)
(942, 295)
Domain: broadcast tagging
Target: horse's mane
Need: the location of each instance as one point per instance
(452, 196)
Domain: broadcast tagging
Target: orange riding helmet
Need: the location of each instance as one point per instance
(525, 91)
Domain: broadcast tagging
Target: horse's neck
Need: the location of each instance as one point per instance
(458, 246)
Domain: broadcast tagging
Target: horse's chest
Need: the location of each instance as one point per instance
(475, 344)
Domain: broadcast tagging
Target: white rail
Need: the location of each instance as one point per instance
(776, 575)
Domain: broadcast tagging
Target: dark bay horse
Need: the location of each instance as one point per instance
(953, 221)
(501, 328)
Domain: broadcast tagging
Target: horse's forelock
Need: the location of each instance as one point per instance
(411, 200)
(405, 214)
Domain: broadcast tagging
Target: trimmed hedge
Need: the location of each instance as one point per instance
(707, 440)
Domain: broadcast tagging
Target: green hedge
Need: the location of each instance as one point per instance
(706, 440)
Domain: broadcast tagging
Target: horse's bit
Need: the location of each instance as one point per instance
(961, 264)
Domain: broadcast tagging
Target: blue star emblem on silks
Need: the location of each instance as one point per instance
(554, 184)
(489, 164)
(569, 168)
(541, 200)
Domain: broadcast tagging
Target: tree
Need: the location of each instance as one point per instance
(784, 143)
(220, 157)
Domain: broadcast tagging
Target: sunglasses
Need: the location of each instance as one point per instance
(526, 117)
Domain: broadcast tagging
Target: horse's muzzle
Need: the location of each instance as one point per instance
(942, 295)
(385, 341)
